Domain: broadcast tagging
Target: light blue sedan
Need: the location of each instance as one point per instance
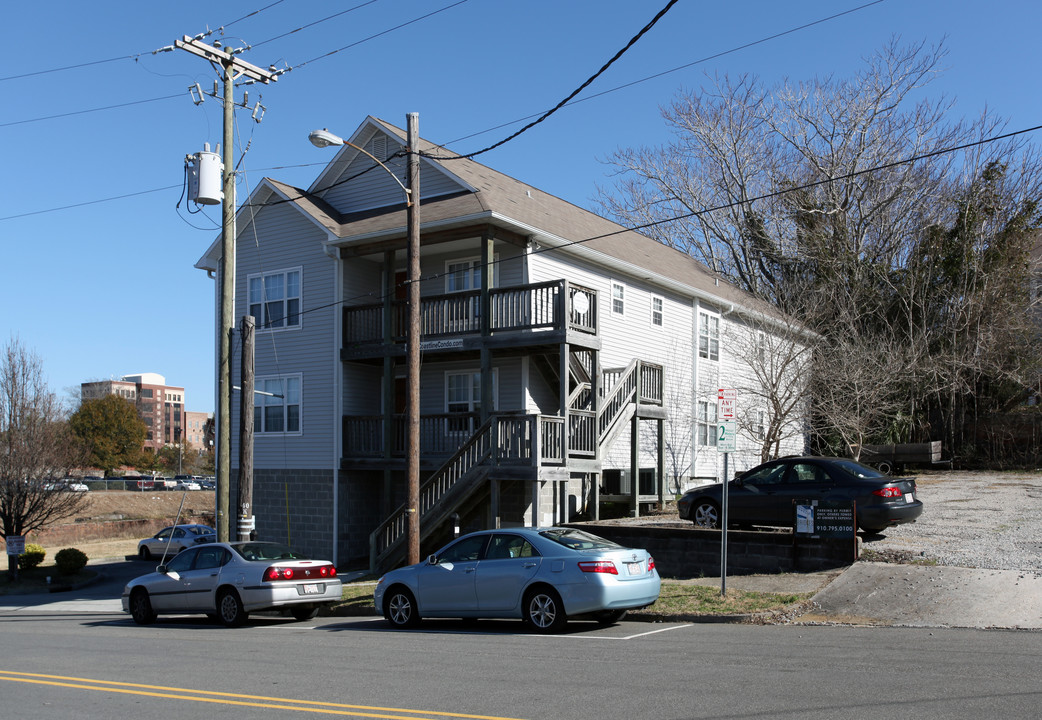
(542, 575)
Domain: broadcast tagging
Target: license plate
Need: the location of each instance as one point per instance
(312, 589)
(909, 497)
(635, 568)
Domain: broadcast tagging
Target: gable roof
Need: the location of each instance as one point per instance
(487, 195)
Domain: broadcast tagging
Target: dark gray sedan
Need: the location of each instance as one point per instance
(765, 495)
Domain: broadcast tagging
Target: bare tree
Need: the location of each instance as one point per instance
(777, 363)
(36, 450)
(841, 201)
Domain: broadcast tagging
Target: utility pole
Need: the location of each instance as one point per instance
(246, 523)
(413, 440)
(233, 68)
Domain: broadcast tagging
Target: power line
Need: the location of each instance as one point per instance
(575, 92)
(135, 55)
(92, 110)
(312, 24)
(90, 202)
(696, 213)
(371, 37)
(707, 58)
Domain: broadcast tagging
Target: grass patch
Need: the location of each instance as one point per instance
(35, 580)
(676, 598)
(682, 599)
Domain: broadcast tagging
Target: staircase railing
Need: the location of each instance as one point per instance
(502, 439)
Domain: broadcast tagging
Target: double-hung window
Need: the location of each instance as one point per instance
(463, 398)
(708, 336)
(277, 410)
(656, 311)
(274, 299)
(618, 298)
(707, 427)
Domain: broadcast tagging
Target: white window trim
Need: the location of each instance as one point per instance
(661, 312)
(719, 333)
(259, 383)
(260, 327)
(611, 298)
(471, 372)
(476, 263)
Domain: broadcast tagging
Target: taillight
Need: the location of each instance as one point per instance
(288, 573)
(651, 563)
(598, 566)
(888, 492)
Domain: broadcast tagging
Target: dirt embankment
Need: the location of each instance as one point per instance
(119, 514)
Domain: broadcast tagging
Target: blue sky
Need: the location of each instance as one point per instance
(98, 261)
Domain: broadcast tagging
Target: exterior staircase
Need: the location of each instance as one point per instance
(521, 441)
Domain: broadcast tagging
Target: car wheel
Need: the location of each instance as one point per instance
(543, 610)
(706, 514)
(400, 608)
(229, 609)
(609, 617)
(144, 554)
(304, 613)
(141, 607)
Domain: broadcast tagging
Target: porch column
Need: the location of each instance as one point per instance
(386, 492)
(661, 466)
(563, 371)
(635, 465)
(487, 270)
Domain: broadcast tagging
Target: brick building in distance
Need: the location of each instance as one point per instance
(159, 405)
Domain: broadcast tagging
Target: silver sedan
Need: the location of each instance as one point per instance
(227, 581)
(542, 575)
(171, 540)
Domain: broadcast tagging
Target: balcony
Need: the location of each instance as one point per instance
(537, 314)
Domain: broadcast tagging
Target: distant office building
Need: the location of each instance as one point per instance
(199, 430)
(159, 405)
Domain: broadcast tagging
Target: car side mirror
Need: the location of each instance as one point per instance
(432, 559)
(161, 569)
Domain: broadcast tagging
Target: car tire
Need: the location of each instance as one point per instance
(705, 514)
(229, 609)
(304, 613)
(144, 553)
(609, 617)
(141, 607)
(543, 610)
(400, 608)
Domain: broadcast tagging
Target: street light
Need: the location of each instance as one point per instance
(324, 138)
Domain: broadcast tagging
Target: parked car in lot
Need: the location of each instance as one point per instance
(765, 495)
(227, 581)
(69, 484)
(171, 540)
(188, 484)
(545, 576)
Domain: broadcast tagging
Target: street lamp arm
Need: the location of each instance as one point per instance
(324, 138)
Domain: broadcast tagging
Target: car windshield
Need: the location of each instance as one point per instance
(267, 551)
(857, 469)
(579, 540)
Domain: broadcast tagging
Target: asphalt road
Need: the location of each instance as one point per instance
(79, 664)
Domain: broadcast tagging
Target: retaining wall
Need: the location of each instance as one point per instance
(684, 552)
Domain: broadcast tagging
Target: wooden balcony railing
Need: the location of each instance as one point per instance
(551, 305)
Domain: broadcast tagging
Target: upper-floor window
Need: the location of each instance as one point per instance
(274, 299)
(708, 336)
(656, 311)
(618, 298)
(278, 409)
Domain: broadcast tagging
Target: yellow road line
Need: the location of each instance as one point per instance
(209, 696)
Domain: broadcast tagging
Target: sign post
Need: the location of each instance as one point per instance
(726, 442)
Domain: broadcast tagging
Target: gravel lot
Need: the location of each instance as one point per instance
(971, 519)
